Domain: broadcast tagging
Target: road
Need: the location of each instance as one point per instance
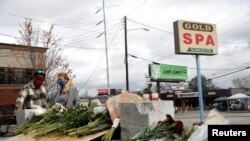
(236, 117)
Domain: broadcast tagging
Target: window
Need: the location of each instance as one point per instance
(15, 75)
(2, 75)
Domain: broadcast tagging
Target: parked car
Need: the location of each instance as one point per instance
(224, 106)
(236, 105)
(216, 106)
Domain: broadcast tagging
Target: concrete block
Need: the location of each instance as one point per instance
(4, 129)
(8, 134)
(11, 128)
(135, 116)
(160, 139)
(24, 116)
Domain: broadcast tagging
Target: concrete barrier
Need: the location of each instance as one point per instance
(135, 116)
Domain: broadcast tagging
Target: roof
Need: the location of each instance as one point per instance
(22, 47)
(238, 96)
(223, 98)
(247, 92)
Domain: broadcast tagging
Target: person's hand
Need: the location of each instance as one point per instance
(16, 110)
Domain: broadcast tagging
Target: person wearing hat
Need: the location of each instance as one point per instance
(33, 94)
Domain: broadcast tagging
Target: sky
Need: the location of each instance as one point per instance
(76, 22)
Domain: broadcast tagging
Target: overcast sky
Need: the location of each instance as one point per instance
(75, 21)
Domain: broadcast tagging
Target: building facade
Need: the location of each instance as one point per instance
(191, 99)
(17, 64)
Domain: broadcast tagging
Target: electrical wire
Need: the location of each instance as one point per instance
(229, 73)
(220, 10)
(58, 45)
(131, 12)
(42, 21)
(150, 26)
(154, 62)
(100, 59)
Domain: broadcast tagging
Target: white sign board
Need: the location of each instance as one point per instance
(195, 38)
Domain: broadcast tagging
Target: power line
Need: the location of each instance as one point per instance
(220, 10)
(15, 15)
(58, 45)
(228, 73)
(101, 58)
(110, 28)
(137, 7)
(94, 70)
(151, 26)
(134, 56)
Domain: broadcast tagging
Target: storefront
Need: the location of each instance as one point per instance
(190, 100)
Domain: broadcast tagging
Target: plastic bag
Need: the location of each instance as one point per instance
(39, 110)
(99, 109)
(214, 117)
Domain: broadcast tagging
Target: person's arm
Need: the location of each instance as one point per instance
(21, 99)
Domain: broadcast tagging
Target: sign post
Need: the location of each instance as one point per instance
(199, 88)
(195, 38)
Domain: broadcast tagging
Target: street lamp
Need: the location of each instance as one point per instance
(126, 49)
(146, 29)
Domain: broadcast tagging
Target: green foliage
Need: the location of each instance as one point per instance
(76, 121)
(108, 136)
(206, 84)
(164, 129)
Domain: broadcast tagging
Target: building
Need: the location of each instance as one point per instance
(17, 64)
(191, 99)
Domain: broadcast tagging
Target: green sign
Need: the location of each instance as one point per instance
(167, 72)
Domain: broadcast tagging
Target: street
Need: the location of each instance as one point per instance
(236, 117)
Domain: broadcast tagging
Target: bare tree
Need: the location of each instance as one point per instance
(243, 82)
(52, 61)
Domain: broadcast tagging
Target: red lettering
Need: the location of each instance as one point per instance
(198, 38)
(210, 40)
(187, 38)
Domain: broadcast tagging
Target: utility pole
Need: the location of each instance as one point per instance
(106, 47)
(126, 52)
